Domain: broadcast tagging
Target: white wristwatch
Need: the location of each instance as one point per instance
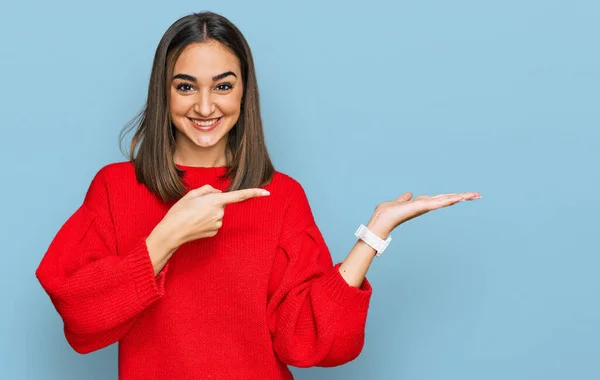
(378, 244)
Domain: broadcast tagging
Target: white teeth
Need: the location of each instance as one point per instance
(205, 123)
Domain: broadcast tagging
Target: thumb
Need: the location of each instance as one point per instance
(405, 197)
(200, 191)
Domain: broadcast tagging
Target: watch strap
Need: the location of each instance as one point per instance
(374, 241)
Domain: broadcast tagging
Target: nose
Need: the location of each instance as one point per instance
(204, 105)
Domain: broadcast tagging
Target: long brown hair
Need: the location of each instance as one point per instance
(154, 137)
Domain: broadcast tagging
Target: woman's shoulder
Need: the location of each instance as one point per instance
(290, 190)
(297, 209)
(285, 182)
(115, 175)
(117, 170)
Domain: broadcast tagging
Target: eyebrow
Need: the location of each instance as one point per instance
(193, 78)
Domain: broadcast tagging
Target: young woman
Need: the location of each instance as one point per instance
(198, 257)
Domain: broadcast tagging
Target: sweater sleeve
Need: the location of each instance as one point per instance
(98, 291)
(315, 317)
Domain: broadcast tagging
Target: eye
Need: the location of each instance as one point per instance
(184, 87)
(224, 87)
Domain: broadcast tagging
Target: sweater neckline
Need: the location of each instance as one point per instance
(204, 169)
(195, 176)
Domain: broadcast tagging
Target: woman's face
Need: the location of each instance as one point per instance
(205, 98)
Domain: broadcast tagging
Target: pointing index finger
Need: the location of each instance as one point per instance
(241, 195)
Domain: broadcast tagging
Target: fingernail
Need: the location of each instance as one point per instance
(265, 192)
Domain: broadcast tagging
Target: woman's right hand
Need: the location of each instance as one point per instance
(198, 214)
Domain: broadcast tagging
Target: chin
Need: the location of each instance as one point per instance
(206, 141)
(209, 139)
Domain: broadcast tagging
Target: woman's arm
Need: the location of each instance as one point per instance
(388, 216)
(98, 291)
(317, 311)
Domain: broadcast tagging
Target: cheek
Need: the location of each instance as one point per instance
(231, 105)
(179, 105)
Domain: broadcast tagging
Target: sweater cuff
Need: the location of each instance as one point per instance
(344, 294)
(149, 287)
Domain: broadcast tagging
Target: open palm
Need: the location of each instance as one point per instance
(389, 215)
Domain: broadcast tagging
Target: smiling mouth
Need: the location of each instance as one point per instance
(205, 123)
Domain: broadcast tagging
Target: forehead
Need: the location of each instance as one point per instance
(205, 60)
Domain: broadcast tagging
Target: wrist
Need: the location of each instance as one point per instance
(378, 228)
(162, 237)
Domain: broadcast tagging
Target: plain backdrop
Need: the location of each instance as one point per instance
(361, 102)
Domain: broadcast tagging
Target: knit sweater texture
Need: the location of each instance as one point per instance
(260, 295)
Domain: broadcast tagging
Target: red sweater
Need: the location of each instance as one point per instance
(260, 295)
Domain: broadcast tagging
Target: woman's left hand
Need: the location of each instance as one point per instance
(389, 215)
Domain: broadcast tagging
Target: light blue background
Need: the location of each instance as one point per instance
(361, 102)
